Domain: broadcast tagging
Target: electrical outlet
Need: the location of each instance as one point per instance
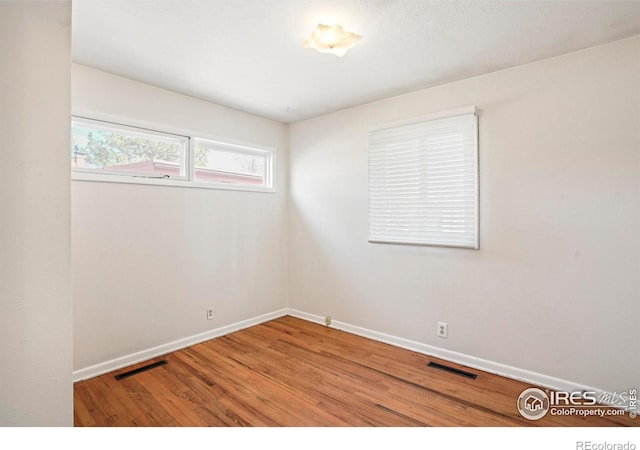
(209, 313)
(442, 329)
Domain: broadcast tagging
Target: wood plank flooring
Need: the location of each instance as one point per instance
(290, 372)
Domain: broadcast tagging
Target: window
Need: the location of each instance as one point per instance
(423, 181)
(105, 151)
(99, 147)
(218, 162)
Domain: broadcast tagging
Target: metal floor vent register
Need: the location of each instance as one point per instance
(453, 370)
(140, 369)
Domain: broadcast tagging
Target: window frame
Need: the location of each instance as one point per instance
(79, 174)
(111, 126)
(268, 153)
(469, 110)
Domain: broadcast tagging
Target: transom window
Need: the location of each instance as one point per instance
(104, 151)
(120, 150)
(226, 163)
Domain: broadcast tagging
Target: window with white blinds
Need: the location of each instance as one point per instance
(423, 181)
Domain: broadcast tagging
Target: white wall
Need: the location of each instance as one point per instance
(148, 261)
(555, 287)
(35, 286)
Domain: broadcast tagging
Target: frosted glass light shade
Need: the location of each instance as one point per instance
(331, 39)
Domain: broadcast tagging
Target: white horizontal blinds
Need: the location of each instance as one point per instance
(423, 183)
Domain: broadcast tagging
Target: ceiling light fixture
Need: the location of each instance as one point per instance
(331, 39)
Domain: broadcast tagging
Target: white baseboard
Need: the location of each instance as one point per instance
(448, 355)
(526, 376)
(154, 352)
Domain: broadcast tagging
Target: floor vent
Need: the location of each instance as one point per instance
(140, 369)
(453, 370)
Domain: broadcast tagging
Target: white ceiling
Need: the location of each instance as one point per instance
(249, 54)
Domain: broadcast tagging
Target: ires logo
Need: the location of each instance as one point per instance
(560, 398)
(534, 403)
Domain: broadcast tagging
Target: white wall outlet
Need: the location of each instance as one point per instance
(442, 329)
(209, 313)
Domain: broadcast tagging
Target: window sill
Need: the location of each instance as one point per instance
(102, 178)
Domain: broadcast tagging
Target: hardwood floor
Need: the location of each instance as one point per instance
(289, 372)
